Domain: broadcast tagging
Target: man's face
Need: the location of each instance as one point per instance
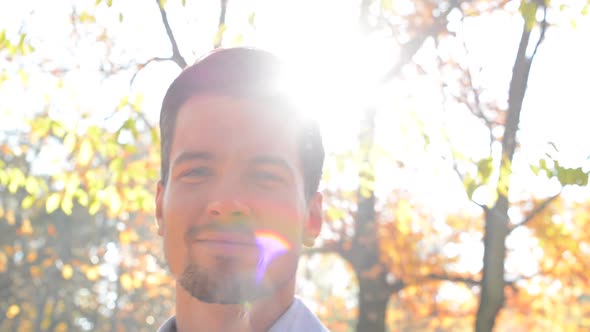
(233, 212)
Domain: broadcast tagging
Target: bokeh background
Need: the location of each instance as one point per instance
(455, 185)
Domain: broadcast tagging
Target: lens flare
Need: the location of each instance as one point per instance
(270, 245)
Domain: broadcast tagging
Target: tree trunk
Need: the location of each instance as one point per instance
(496, 218)
(373, 299)
(492, 284)
(364, 253)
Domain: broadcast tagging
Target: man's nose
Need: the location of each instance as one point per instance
(230, 208)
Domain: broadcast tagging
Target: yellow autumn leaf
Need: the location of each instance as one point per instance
(92, 273)
(70, 142)
(67, 272)
(126, 281)
(127, 236)
(52, 202)
(219, 36)
(3, 262)
(32, 256)
(35, 271)
(86, 152)
(61, 327)
(12, 311)
(137, 283)
(26, 228)
(151, 280)
(10, 219)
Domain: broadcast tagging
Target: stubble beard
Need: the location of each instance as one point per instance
(223, 284)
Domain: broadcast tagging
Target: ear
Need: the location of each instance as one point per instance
(313, 224)
(159, 198)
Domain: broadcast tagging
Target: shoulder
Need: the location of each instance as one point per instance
(169, 325)
(298, 318)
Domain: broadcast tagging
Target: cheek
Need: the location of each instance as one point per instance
(179, 211)
(283, 218)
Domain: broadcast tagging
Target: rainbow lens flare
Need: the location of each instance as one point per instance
(271, 245)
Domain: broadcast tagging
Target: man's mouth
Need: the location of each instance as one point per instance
(226, 238)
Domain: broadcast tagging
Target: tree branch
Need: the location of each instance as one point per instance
(143, 65)
(535, 212)
(397, 286)
(462, 179)
(411, 47)
(446, 277)
(477, 109)
(176, 56)
(543, 30)
(471, 281)
(220, 25)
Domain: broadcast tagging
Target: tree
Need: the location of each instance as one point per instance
(396, 245)
(374, 293)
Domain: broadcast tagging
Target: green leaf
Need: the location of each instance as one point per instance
(120, 17)
(52, 202)
(470, 185)
(484, 169)
(32, 185)
(572, 176)
(58, 129)
(94, 132)
(82, 197)
(116, 165)
(137, 102)
(155, 136)
(94, 207)
(3, 177)
(109, 3)
(528, 10)
(17, 179)
(86, 152)
(387, 5)
(85, 17)
(70, 142)
(132, 127)
(27, 202)
(219, 35)
(23, 76)
(67, 205)
(72, 184)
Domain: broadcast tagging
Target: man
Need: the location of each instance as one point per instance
(238, 195)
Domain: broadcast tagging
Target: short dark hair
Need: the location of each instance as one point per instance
(240, 72)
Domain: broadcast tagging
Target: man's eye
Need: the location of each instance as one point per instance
(267, 176)
(197, 172)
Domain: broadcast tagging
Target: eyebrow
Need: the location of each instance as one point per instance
(192, 156)
(272, 160)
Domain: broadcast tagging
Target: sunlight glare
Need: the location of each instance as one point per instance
(270, 245)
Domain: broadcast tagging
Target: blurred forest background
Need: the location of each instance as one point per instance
(456, 181)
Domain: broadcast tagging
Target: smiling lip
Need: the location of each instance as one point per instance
(228, 245)
(229, 239)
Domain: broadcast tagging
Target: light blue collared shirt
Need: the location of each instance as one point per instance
(297, 318)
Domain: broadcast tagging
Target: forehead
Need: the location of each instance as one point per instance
(234, 125)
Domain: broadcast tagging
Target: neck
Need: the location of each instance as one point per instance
(257, 316)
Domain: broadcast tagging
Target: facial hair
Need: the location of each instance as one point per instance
(225, 281)
(223, 284)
